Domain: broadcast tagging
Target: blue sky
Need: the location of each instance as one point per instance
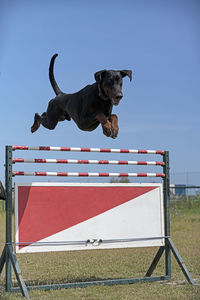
(158, 40)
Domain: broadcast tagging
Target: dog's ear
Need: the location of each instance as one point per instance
(99, 75)
(126, 73)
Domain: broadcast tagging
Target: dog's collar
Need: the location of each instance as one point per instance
(101, 94)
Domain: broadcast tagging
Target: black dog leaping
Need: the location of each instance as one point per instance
(88, 107)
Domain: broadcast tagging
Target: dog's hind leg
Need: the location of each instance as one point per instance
(36, 123)
(45, 120)
(48, 119)
(64, 117)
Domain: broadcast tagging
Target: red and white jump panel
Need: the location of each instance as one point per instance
(78, 216)
(84, 161)
(86, 174)
(78, 149)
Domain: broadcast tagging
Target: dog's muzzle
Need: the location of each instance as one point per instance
(117, 99)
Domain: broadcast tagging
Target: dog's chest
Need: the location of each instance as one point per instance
(105, 107)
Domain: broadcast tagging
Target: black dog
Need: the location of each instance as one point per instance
(89, 107)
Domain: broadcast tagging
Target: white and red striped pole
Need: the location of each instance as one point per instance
(78, 149)
(84, 174)
(84, 161)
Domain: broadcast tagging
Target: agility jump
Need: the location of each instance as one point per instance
(111, 202)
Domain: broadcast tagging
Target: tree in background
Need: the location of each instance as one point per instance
(119, 180)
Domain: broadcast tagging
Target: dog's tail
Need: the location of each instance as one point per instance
(51, 76)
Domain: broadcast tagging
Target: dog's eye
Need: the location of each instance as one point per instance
(110, 82)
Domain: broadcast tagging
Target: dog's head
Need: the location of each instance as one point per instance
(110, 83)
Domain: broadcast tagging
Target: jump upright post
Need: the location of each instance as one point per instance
(120, 202)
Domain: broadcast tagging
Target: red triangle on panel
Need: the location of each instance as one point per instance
(47, 210)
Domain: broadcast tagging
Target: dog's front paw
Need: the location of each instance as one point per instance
(107, 129)
(115, 130)
(114, 133)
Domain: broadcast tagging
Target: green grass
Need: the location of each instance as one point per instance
(61, 267)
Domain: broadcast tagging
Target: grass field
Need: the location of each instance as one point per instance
(60, 267)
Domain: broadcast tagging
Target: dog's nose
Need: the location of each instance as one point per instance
(119, 96)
